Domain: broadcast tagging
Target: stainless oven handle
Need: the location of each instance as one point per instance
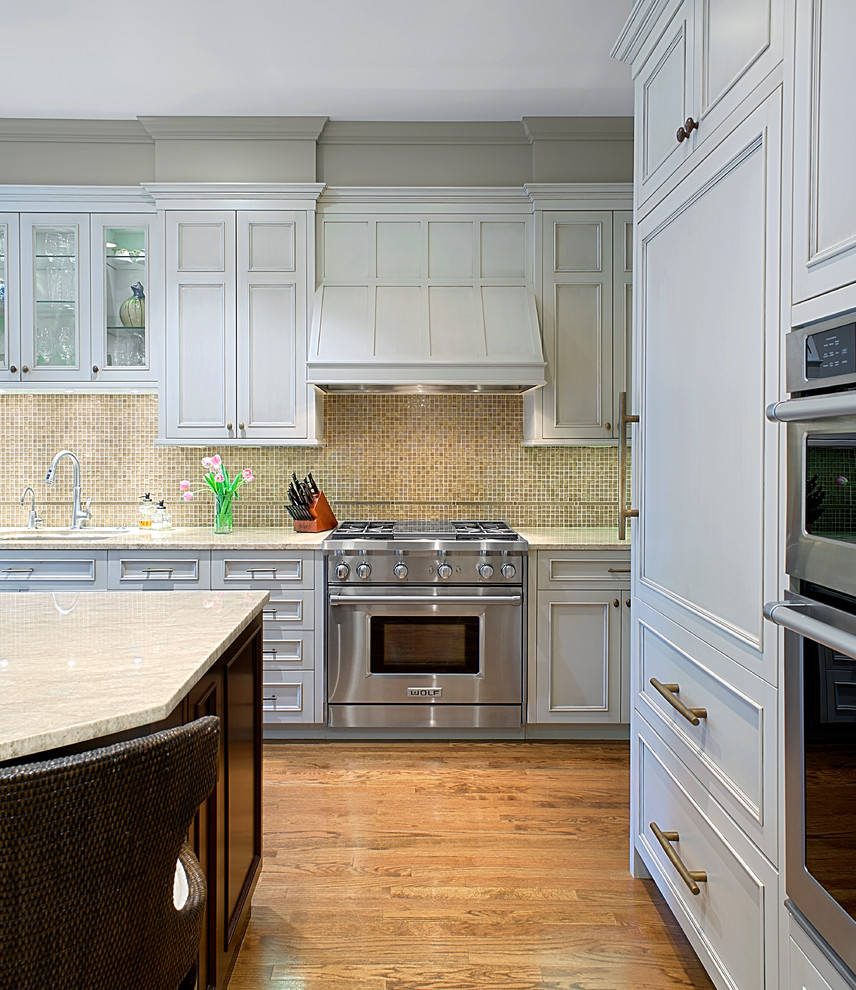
(424, 600)
(812, 407)
(785, 614)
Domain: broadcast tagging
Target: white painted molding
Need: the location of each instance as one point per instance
(235, 195)
(502, 133)
(545, 129)
(233, 128)
(86, 131)
(635, 33)
(90, 199)
(580, 195)
(459, 199)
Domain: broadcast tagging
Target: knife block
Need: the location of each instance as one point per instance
(322, 517)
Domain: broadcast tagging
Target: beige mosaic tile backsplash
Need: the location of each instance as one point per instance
(404, 457)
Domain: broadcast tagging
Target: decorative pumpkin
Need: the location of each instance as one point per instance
(132, 312)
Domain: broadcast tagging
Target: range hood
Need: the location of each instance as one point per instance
(455, 338)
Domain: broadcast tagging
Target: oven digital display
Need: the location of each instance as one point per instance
(424, 645)
(830, 353)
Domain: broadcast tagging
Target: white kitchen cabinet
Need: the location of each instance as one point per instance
(293, 669)
(53, 570)
(824, 207)
(809, 968)
(236, 328)
(578, 666)
(63, 290)
(158, 570)
(707, 344)
(692, 73)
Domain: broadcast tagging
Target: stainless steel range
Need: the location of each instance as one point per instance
(425, 625)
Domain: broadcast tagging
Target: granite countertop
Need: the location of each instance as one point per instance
(77, 666)
(184, 538)
(573, 538)
(280, 538)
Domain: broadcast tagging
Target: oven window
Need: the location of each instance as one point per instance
(829, 713)
(829, 500)
(424, 645)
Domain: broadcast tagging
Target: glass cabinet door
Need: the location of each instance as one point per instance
(121, 344)
(52, 344)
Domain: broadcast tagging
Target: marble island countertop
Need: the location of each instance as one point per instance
(78, 666)
(270, 538)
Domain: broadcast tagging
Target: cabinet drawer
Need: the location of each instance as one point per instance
(295, 652)
(732, 749)
(281, 615)
(809, 968)
(246, 569)
(133, 570)
(734, 914)
(22, 570)
(290, 698)
(572, 568)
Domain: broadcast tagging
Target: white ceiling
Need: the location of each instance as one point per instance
(345, 59)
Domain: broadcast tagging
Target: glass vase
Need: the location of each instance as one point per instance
(223, 513)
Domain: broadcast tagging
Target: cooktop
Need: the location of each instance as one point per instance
(423, 529)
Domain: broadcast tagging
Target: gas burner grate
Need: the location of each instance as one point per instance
(364, 530)
(476, 530)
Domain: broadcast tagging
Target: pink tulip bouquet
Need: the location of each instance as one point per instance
(225, 489)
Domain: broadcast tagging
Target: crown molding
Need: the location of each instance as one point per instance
(235, 195)
(373, 132)
(637, 28)
(93, 199)
(233, 128)
(580, 195)
(426, 199)
(59, 131)
(578, 128)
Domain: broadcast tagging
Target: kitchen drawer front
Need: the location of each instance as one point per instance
(732, 750)
(284, 614)
(289, 652)
(809, 968)
(138, 570)
(735, 914)
(574, 568)
(53, 570)
(288, 697)
(247, 569)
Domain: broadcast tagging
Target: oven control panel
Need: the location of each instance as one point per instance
(502, 567)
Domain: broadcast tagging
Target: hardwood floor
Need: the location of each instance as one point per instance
(454, 866)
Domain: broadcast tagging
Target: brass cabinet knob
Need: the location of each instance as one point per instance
(13, 370)
(616, 602)
(627, 602)
(25, 369)
(684, 131)
(607, 426)
(95, 368)
(241, 426)
(229, 427)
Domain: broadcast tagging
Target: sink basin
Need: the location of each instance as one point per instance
(54, 535)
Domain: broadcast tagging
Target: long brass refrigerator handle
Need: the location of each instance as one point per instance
(669, 692)
(692, 878)
(623, 512)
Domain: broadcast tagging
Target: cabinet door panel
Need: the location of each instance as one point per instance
(734, 35)
(708, 342)
(10, 304)
(200, 324)
(824, 241)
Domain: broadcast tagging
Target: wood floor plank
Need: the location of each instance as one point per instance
(455, 866)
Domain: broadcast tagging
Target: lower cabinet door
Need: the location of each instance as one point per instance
(288, 697)
(722, 891)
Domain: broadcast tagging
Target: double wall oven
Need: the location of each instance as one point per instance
(819, 617)
(425, 625)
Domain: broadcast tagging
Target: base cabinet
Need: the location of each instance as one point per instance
(810, 968)
(578, 655)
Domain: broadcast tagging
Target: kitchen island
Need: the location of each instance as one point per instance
(78, 670)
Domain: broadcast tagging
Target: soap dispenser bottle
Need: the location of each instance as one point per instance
(146, 512)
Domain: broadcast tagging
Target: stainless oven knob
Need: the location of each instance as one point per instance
(363, 570)
(486, 570)
(342, 571)
(400, 571)
(508, 570)
(444, 571)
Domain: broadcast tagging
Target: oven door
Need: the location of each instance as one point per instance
(821, 522)
(411, 646)
(820, 765)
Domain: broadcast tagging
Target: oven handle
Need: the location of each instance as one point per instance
(812, 407)
(425, 600)
(786, 615)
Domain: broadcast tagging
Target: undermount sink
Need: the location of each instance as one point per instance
(52, 535)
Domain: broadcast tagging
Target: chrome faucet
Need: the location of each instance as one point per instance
(78, 513)
(34, 520)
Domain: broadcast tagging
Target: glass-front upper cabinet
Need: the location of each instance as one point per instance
(10, 332)
(54, 298)
(121, 342)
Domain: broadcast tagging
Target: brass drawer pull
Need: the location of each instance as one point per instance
(18, 570)
(669, 691)
(157, 570)
(269, 611)
(692, 878)
(271, 697)
(269, 653)
(623, 512)
(618, 570)
(270, 570)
